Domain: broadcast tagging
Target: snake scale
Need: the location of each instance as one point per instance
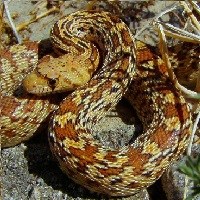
(160, 106)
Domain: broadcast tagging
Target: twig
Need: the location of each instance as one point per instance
(155, 19)
(34, 19)
(178, 33)
(1, 18)
(198, 82)
(11, 21)
(189, 93)
(189, 149)
(195, 6)
(164, 52)
(185, 187)
(192, 17)
(165, 57)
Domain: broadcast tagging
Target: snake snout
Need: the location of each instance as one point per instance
(35, 84)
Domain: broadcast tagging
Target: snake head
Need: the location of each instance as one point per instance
(61, 74)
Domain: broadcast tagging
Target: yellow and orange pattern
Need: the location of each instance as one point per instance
(123, 67)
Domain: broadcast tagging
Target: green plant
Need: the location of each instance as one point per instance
(191, 168)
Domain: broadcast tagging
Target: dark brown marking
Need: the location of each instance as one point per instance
(110, 171)
(115, 19)
(115, 41)
(182, 112)
(126, 38)
(134, 185)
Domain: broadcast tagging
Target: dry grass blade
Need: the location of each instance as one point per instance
(1, 22)
(155, 19)
(11, 21)
(165, 57)
(198, 82)
(195, 6)
(195, 126)
(178, 33)
(164, 52)
(36, 18)
(190, 14)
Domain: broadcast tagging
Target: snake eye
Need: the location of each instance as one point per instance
(91, 30)
(52, 83)
(80, 29)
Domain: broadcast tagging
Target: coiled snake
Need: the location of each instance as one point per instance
(160, 106)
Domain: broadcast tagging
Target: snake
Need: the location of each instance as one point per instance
(128, 68)
(21, 114)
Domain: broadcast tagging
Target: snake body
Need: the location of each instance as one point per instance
(160, 106)
(21, 114)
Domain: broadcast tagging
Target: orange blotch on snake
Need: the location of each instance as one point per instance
(110, 171)
(161, 68)
(125, 63)
(86, 155)
(61, 133)
(98, 94)
(144, 55)
(68, 106)
(126, 37)
(136, 159)
(33, 46)
(11, 133)
(170, 111)
(8, 105)
(7, 55)
(111, 156)
(163, 138)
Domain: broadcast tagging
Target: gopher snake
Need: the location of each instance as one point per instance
(21, 114)
(162, 109)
